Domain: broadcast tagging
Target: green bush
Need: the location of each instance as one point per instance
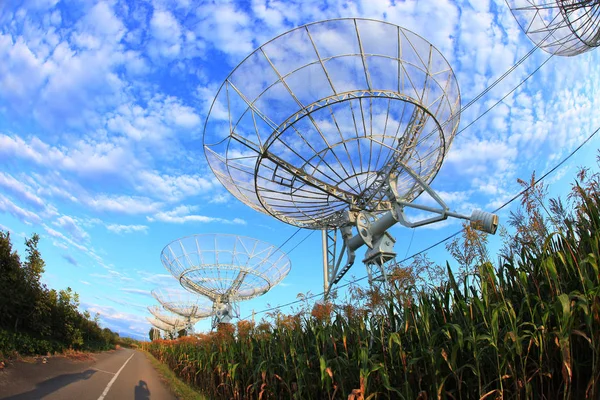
(24, 344)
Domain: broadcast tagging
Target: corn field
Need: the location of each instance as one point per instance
(525, 327)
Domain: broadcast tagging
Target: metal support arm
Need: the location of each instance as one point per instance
(371, 229)
(224, 312)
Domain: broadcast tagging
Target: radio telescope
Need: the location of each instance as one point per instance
(189, 306)
(158, 324)
(336, 125)
(168, 318)
(561, 27)
(225, 268)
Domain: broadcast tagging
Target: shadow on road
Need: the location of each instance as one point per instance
(52, 385)
(141, 391)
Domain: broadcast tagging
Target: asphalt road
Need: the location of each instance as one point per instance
(114, 375)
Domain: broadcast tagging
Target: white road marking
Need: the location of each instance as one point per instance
(101, 370)
(114, 378)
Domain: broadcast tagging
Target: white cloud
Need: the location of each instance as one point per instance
(90, 165)
(220, 198)
(183, 116)
(481, 157)
(123, 204)
(140, 292)
(57, 235)
(181, 214)
(112, 275)
(62, 241)
(21, 73)
(21, 191)
(226, 27)
(70, 225)
(83, 159)
(156, 279)
(28, 217)
(42, 5)
(205, 96)
(60, 245)
(161, 118)
(102, 22)
(166, 32)
(173, 188)
(118, 320)
(120, 229)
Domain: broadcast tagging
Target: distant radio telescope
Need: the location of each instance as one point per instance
(561, 27)
(225, 268)
(339, 125)
(185, 304)
(163, 326)
(177, 322)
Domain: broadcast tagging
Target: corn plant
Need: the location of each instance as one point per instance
(526, 328)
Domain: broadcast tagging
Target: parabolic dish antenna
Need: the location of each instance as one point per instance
(225, 268)
(168, 318)
(337, 125)
(162, 326)
(187, 305)
(313, 122)
(561, 27)
(182, 302)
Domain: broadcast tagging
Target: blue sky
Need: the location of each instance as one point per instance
(102, 106)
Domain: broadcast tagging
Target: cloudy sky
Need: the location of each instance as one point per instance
(102, 107)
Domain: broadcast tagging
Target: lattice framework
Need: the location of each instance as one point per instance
(183, 303)
(225, 268)
(170, 319)
(561, 27)
(313, 122)
(158, 324)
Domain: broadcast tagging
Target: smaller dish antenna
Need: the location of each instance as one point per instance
(168, 318)
(225, 268)
(163, 326)
(560, 27)
(185, 304)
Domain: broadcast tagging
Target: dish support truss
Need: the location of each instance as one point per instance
(372, 231)
(224, 312)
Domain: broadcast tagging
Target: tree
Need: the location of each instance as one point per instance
(11, 282)
(28, 307)
(154, 334)
(33, 269)
(34, 266)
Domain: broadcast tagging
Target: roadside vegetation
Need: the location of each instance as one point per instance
(180, 389)
(37, 320)
(525, 325)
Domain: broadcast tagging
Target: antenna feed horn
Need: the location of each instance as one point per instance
(484, 221)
